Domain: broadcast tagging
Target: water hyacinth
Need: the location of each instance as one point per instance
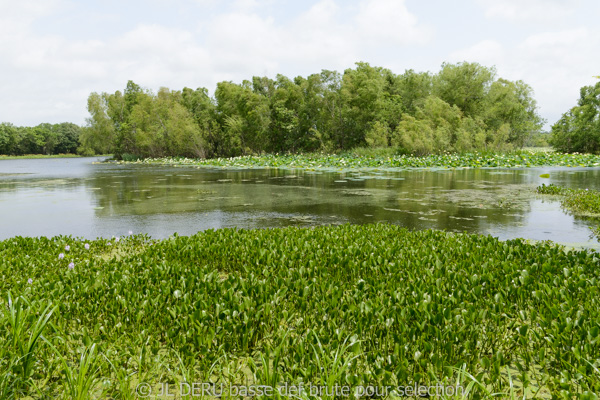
(30, 281)
(71, 265)
(67, 247)
(61, 256)
(415, 304)
(131, 232)
(87, 246)
(580, 202)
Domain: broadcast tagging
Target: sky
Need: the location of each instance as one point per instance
(54, 53)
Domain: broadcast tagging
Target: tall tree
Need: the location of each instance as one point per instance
(100, 135)
(363, 98)
(511, 103)
(463, 85)
(578, 130)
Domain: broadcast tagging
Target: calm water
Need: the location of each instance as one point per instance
(78, 197)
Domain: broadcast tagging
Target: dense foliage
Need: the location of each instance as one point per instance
(578, 130)
(346, 305)
(42, 139)
(364, 159)
(464, 107)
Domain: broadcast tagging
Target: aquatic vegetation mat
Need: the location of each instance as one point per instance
(583, 202)
(370, 305)
(579, 202)
(350, 161)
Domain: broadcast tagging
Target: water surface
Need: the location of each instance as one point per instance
(83, 198)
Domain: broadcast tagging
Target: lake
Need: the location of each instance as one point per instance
(84, 198)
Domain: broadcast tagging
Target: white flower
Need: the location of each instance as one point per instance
(30, 281)
(71, 265)
(61, 256)
(67, 247)
(117, 239)
(131, 232)
(87, 246)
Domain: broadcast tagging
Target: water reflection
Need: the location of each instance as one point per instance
(77, 197)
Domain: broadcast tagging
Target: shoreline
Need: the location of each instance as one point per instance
(43, 156)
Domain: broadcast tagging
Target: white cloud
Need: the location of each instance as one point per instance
(528, 10)
(390, 21)
(317, 38)
(555, 64)
(241, 42)
(486, 52)
(49, 76)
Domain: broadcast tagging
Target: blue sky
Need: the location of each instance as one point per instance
(53, 53)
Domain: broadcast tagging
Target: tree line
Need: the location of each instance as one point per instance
(463, 107)
(42, 139)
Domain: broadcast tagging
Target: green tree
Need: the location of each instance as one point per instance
(126, 132)
(330, 123)
(578, 130)
(464, 85)
(310, 112)
(511, 103)
(99, 136)
(8, 137)
(287, 103)
(31, 140)
(412, 88)
(177, 125)
(363, 102)
(440, 123)
(203, 110)
(244, 115)
(68, 137)
(461, 108)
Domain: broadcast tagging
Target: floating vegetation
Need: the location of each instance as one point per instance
(507, 196)
(579, 202)
(368, 305)
(357, 192)
(349, 161)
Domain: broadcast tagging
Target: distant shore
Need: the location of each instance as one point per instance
(35, 156)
